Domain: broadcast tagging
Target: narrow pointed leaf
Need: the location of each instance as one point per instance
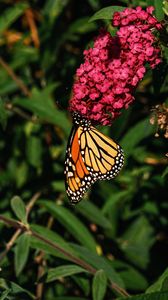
(137, 241)
(4, 294)
(94, 214)
(19, 208)
(135, 135)
(63, 271)
(71, 223)
(42, 104)
(53, 237)
(106, 13)
(98, 262)
(157, 286)
(99, 285)
(15, 289)
(133, 279)
(11, 14)
(21, 253)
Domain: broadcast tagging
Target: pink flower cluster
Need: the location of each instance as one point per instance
(114, 66)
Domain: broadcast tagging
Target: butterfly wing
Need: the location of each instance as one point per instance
(90, 156)
(103, 158)
(77, 176)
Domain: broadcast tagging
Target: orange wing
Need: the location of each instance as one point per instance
(102, 156)
(90, 156)
(77, 176)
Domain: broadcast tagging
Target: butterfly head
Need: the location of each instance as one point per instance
(80, 121)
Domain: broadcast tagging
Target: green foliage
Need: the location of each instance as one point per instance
(114, 242)
(93, 214)
(99, 285)
(71, 223)
(161, 284)
(98, 262)
(3, 115)
(133, 137)
(159, 9)
(19, 208)
(137, 241)
(10, 290)
(152, 296)
(43, 106)
(133, 279)
(63, 271)
(106, 13)
(165, 7)
(11, 14)
(21, 253)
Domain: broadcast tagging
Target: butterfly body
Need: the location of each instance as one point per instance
(90, 156)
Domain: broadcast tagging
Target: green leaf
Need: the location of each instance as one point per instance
(44, 107)
(11, 15)
(94, 214)
(54, 8)
(165, 285)
(21, 174)
(15, 289)
(106, 13)
(19, 208)
(150, 2)
(83, 283)
(152, 296)
(135, 135)
(48, 233)
(58, 186)
(137, 241)
(165, 173)
(158, 285)
(4, 295)
(132, 278)
(71, 223)
(51, 236)
(158, 4)
(99, 285)
(80, 26)
(114, 199)
(37, 244)
(98, 262)
(34, 151)
(21, 253)
(165, 7)
(63, 271)
(3, 115)
(7, 86)
(23, 55)
(81, 252)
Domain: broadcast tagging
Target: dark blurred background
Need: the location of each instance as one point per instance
(41, 45)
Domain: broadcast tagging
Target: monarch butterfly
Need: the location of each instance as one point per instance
(90, 156)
